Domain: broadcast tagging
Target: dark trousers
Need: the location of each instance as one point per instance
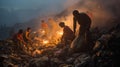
(84, 31)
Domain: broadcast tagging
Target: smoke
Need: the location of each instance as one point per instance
(103, 13)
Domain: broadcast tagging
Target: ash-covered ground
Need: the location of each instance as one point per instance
(104, 53)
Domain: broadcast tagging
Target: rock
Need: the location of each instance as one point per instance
(70, 60)
(57, 53)
(40, 62)
(81, 60)
(56, 60)
(66, 65)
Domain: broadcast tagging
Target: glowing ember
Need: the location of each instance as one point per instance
(43, 31)
(45, 41)
(36, 52)
(60, 32)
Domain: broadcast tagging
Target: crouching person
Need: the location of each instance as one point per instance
(18, 39)
(68, 35)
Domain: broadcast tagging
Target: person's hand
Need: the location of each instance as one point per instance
(74, 32)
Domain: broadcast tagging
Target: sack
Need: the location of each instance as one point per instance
(78, 43)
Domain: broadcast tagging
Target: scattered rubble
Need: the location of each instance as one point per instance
(105, 53)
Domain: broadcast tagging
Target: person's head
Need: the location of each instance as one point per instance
(75, 12)
(42, 21)
(29, 29)
(20, 31)
(62, 24)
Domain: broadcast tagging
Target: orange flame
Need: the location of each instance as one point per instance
(45, 41)
(60, 33)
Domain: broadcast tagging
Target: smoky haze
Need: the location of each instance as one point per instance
(103, 13)
(17, 11)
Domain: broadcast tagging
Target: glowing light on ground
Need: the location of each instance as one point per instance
(45, 41)
(60, 33)
(43, 31)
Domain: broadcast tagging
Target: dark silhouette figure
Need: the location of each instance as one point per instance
(83, 42)
(84, 21)
(68, 34)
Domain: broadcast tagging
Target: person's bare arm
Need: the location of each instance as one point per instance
(74, 25)
(27, 36)
(20, 38)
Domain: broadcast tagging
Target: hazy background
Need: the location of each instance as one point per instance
(14, 11)
(19, 14)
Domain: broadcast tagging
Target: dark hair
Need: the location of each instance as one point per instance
(28, 28)
(42, 21)
(75, 12)
(61, 23)
(20, 31)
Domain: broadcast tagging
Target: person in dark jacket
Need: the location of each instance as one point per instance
(68, 34)
(84, 21)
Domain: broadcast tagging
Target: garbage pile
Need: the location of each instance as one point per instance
(105, 53)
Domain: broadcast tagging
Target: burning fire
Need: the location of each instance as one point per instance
(60, 33)
(43, 31)
(45, 41)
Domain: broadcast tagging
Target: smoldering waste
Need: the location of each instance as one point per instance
(104, 53)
